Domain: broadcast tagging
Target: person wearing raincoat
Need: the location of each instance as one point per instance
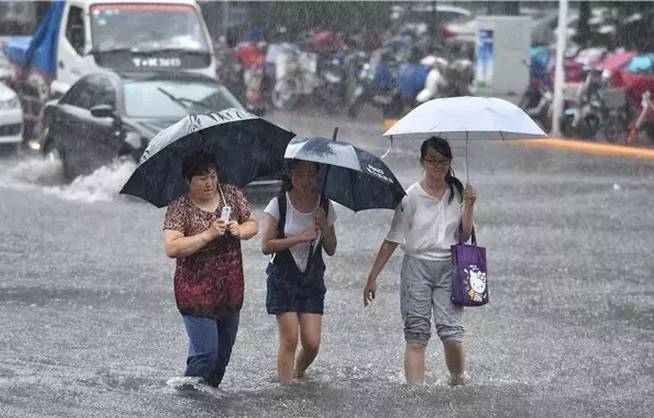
(295, 220)
(426, 224)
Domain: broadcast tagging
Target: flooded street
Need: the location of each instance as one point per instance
(90, 328)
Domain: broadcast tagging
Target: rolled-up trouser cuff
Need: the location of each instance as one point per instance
(450, 333)
(420, 339)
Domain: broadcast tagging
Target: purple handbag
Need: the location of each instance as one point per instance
(469, 284)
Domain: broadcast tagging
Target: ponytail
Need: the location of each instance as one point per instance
(454, 183)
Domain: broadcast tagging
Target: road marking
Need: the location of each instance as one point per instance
(589, 147)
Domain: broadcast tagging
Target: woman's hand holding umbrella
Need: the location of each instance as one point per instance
(320, 218)
(308, 234)
(469, 196)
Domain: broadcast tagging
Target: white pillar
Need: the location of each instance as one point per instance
(559, 76)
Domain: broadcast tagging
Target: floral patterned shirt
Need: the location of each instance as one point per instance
(209, 283)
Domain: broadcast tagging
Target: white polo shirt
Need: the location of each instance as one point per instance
(424, 226)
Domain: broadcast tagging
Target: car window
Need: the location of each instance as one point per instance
(75, 29)
(91, 91)
(105, 93)
(146, 26)
(80, 95)
(143, 98)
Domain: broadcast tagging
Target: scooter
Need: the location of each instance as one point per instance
(251, 56)
(435, 83)
(295, 76)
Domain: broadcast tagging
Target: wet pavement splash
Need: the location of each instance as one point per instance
(90, 328)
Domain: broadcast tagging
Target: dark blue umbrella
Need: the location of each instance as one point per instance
(353, 177)
(245, 147)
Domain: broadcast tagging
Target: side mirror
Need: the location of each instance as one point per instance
(103, 111)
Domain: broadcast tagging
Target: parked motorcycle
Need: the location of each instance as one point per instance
(375, 82)
(598, 108)
(435, 83)
(363, 77)
(332, 90)
(295, 76)
(251, 56)
(410, 81)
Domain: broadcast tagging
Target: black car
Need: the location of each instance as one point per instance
(105, 116)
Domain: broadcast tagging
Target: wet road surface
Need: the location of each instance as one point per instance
(90, 328)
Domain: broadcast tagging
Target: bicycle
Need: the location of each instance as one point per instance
(646, 106)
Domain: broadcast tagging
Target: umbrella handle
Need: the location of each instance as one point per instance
(388, 151)
(467, 175)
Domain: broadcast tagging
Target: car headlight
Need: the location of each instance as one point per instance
(12, 103)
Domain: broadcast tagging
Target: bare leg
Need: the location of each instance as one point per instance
(288, 325)
(455, 357)
(414, 364)
(310, 338)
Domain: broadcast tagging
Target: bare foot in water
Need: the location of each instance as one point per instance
(457, 380)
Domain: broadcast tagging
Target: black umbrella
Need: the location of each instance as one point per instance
(353, 177)
(245, 147)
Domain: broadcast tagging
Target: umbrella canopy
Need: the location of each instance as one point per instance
(323, 151)
(353, 177)
(458, 118)
(245, 147)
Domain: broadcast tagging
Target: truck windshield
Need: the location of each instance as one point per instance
(175, 99)
(146, 27)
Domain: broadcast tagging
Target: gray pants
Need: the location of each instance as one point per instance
(426, 285)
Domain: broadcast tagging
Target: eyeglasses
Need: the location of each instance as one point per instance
(440, 162)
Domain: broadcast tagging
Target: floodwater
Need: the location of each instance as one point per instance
(90, 328)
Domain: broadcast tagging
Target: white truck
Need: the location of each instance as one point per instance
(80, 37)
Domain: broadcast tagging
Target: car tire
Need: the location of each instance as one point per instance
(54, 152)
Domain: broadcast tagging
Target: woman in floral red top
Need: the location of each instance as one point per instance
(209, 272)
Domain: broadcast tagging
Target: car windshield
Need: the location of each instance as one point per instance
(146, 27)
(175, 99)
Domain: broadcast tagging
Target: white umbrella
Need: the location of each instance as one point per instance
(469, 118)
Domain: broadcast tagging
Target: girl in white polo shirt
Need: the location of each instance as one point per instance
(426, 225)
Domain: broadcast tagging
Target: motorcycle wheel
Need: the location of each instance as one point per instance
(284, 94)
(567, 130)
(615, 128)
(589, 127)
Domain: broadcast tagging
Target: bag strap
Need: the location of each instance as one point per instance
(474, 237)
(281, 223)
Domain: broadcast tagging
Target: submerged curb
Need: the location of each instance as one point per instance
(589, 147)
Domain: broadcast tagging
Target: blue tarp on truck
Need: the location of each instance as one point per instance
(38, 51)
